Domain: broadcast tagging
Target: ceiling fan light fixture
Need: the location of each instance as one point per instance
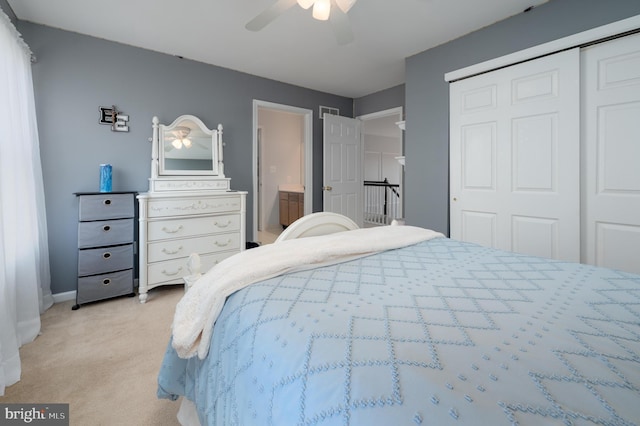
(321, 10)
(345, 5)
(186, 142)
(306, 4)
(177, 144)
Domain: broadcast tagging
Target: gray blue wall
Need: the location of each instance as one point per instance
(379, 101)
(427, 94)
(76, 74)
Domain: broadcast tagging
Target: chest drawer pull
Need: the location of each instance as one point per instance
(106, 228)
(107, 202)
(219, 244)
(171, 231)
(171, 274)
(106, 281)
(222, 225)
(167, 251)
(106, 255)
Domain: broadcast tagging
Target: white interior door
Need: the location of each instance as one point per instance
(514, 158)
(342, 163)
(611, 128)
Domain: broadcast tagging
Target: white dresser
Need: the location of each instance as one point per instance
(174, 225)
(189, 208)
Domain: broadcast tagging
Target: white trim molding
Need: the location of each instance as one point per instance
(580, 39)
(64, 297)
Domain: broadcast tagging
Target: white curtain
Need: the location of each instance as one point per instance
(25, 281)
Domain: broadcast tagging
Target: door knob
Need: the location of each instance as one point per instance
(327, 188)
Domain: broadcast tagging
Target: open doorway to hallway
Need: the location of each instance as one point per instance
(383, 167)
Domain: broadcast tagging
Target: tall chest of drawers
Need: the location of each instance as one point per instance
(106, 240)
(173, 225)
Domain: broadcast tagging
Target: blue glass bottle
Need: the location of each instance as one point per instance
(105, 177)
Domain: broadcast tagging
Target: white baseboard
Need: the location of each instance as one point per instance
(64, 297)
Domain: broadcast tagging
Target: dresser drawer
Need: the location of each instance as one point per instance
(106, 206)
(177, 228)
(193, 206)
(173, 249)
(105, 233)
(101, 260)
(172, 271)
(103, 286)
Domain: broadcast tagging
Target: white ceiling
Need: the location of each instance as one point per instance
(294, 48)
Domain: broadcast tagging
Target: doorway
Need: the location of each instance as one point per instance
(383, 157)
(282, 162)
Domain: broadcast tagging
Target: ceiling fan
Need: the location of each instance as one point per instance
(178, 138)
(335, 11)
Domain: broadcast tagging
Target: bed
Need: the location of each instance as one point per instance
(436, 331)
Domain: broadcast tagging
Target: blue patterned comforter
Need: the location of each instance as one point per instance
(441, 332)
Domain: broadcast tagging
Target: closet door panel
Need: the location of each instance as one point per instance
(478, 148)
(535, 236)
(611, 146)
(535, 152)
(514, 153)
(618, 246)
(479, 228)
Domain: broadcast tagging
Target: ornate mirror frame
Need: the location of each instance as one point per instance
(187, 132)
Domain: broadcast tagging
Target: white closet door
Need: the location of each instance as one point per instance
(514, 158)
(611, 129)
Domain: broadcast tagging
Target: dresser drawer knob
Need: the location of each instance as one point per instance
(106, 255)
(222, 225)
(106, 228)
(107, 202)
(106, 281)
(219, 244)
(167, 251)
(171, 231)
(164, 271)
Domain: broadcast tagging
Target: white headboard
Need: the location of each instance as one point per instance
(314, 224)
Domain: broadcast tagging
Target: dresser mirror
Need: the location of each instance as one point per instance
(187, 147)
(186, 155)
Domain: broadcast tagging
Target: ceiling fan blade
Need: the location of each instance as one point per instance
(345, 5)
(340, 24)
(269, 14)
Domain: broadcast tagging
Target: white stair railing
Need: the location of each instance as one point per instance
(381, 202)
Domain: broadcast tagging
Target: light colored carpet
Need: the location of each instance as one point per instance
(268, 236)
(102, 359)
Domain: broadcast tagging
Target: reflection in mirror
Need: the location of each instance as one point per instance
(187, 147)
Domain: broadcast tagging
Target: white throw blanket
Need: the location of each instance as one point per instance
(198, 310)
